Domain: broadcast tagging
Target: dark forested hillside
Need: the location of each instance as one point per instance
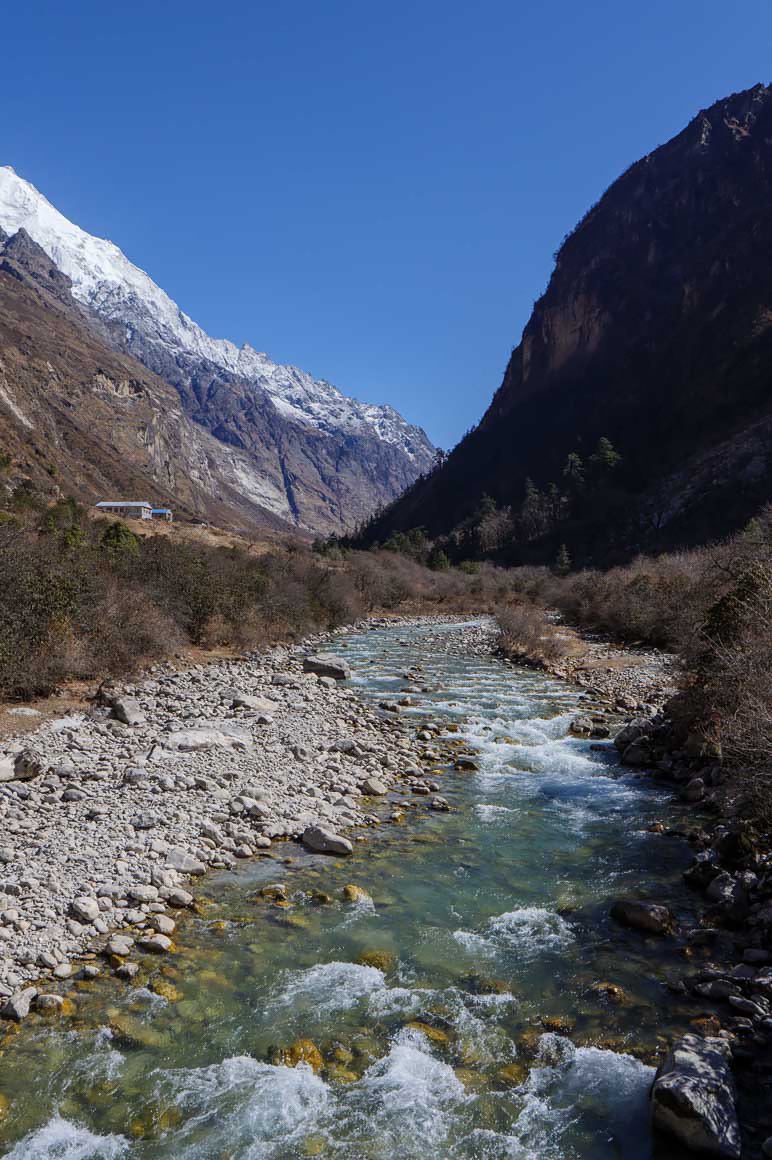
(655, 335)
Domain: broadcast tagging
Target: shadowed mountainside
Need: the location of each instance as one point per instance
(655, 331)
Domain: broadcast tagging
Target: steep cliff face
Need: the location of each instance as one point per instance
(319, 460)
(655, 331)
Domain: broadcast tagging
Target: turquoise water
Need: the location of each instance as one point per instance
(475, 1002)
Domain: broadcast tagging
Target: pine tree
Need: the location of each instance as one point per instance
(438, 560)
(573, 472)
(563, 562)
(606, 457)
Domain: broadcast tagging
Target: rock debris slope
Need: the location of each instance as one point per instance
(300, 448)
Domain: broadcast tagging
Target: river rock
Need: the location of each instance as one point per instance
(195, 740)
(693, 791)
(257, 704)
(49, 1003)
(702, 870)
(17, 1007)
(327, 665)
(730, 896)
(142, 893)
(636, 729)
(325, 841)
(28, 764)
(179, 898)
(637, 753)
(374, 787)
(161, 923)
(693, 1097)
(127, 710)
(184, 862)
(647, 916)
(84, 909)
(157, 944)
(119, 944)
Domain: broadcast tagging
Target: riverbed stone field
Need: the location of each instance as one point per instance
(376, 894)
(107, 816)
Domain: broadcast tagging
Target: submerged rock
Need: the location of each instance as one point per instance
(432, 1033)
(353, 893)
(301, 1051)
(647, 916)
(381, 960)
(693, 1097)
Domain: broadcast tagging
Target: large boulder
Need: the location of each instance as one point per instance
(634, 730)
(184, 862)
(652, 917)
(702, 870)
(637, 753)
(193, 740)
(693, 1097)
(18, 1005)
(322, 840)
(327, 665)
(730, 896)
(28, 764)
(374, 787)
(260, 705)
(127, 710)
(85, 909)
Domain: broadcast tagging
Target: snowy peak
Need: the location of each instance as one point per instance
(104, 279)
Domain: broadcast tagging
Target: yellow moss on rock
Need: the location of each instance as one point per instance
(354, 893)
(431, 1033)
(381, 960)
(513, 1074)
(302, 1051)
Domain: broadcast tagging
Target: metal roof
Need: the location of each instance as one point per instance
(123, 503)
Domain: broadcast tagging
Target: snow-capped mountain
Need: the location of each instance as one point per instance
(243, 397)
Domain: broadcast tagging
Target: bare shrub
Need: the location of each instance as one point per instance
(127, 628)
(528, 635)
(729, 691)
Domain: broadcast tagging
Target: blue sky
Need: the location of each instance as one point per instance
(372, 191)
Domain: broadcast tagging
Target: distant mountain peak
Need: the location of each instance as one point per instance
(107, 281)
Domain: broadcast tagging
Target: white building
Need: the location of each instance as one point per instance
(130, 509)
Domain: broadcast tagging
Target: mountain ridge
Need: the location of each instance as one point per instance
(655, 330)
(297, 428)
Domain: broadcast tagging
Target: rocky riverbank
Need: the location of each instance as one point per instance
(713, 1082)
(108, 815)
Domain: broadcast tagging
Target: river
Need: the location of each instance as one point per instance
(474, 1003)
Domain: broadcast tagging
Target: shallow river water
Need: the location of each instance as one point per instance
(503, 1015)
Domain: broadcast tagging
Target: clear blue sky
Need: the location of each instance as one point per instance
(372, 191)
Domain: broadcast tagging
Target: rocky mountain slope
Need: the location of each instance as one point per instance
(655, 331)
(313, 457)
(78, 418)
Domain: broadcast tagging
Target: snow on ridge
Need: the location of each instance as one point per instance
(104, 278)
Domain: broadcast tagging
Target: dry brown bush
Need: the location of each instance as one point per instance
(728, 692)
(527, 635)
